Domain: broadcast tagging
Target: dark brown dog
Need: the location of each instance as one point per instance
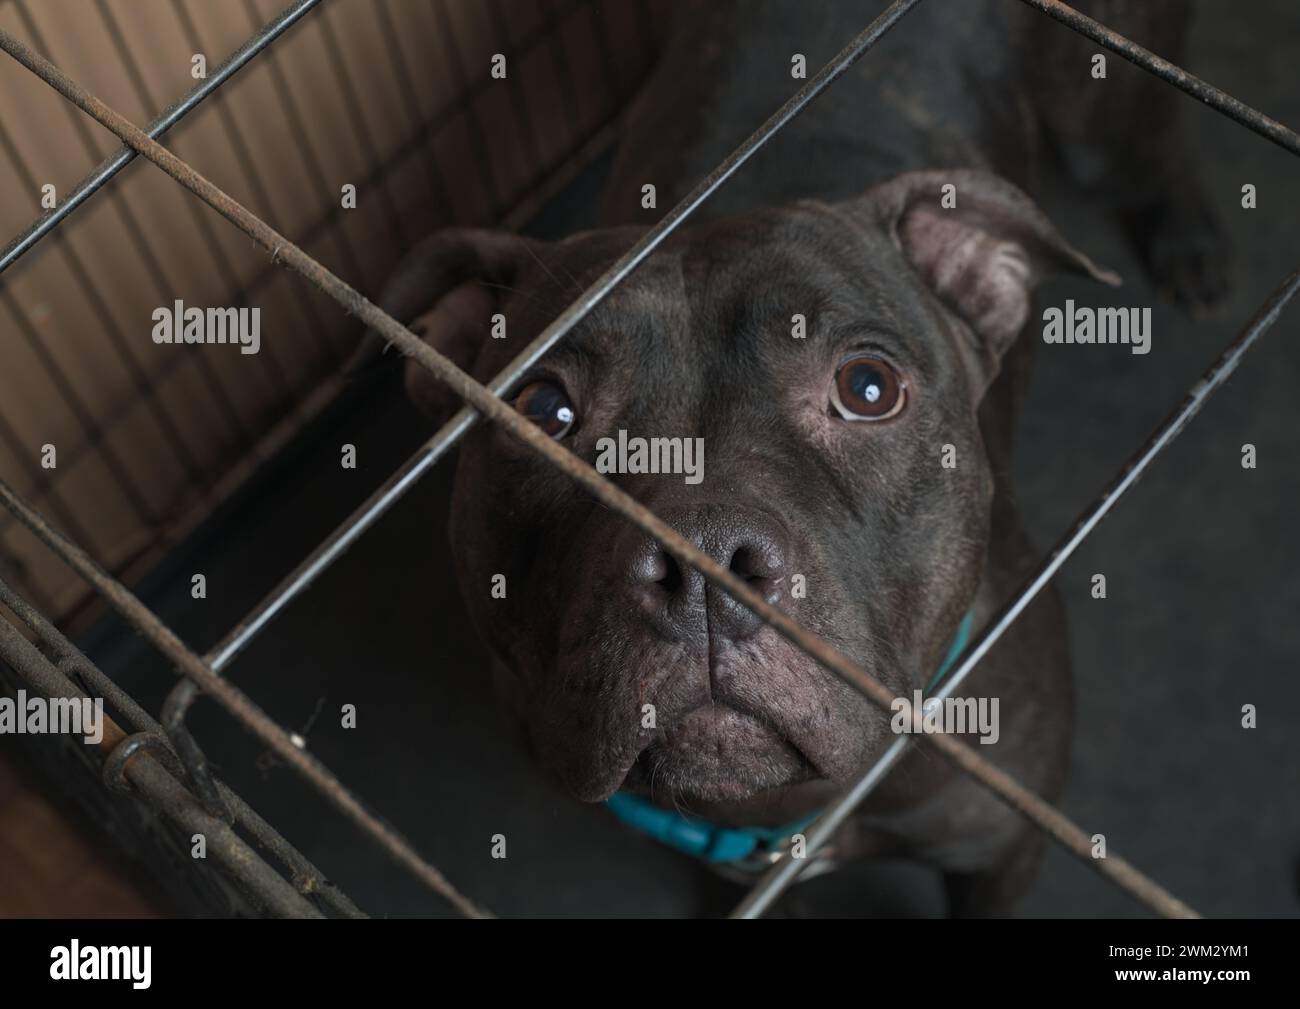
(825, 454)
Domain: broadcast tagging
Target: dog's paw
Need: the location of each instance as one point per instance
(1185, 250)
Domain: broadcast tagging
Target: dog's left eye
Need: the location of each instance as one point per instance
(547, 406)
(867, 388)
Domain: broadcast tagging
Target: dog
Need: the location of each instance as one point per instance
(841, 327)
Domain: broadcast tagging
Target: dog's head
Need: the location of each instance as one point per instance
(832, 359)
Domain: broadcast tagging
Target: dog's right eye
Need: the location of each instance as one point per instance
(547, 406)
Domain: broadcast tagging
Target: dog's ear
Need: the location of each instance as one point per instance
(981, 254)
(446, 290)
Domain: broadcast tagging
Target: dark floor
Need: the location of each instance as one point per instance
(1201, 615)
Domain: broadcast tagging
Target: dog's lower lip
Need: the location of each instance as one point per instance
(738, 706)
(641, 774)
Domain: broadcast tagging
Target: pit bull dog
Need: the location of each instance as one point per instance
(857, 463)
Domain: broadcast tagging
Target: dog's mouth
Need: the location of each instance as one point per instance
(718, 754)
(749, 728)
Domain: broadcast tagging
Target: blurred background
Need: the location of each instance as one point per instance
(171, 463)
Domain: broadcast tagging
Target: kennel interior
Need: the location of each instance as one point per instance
(171, 464)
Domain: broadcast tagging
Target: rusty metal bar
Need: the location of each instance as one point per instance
(238, 704)
(88, 186)
(1236, 110)
(1034, 808)
(74, 664)
(786, 870)
(147, 773)
(84, 674)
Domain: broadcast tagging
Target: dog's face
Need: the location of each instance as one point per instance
(832, 360)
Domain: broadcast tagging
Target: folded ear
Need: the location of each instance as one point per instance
(980, 246)
(446, 290)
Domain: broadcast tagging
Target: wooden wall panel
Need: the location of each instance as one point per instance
(384, 94)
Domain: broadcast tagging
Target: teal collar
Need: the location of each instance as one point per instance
(958, 646)
(709, 841)
(717, 844)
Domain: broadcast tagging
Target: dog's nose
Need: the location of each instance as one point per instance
(682, 605)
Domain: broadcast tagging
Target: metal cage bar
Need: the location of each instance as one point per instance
(486, 400)
(65, 660)
(1235, 109)
(238, 704)
(153, 778)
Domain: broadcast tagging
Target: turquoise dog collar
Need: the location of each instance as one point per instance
(721, 845)
(709, 841)
(958, 646)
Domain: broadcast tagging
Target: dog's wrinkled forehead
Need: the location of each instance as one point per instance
(723, 290)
